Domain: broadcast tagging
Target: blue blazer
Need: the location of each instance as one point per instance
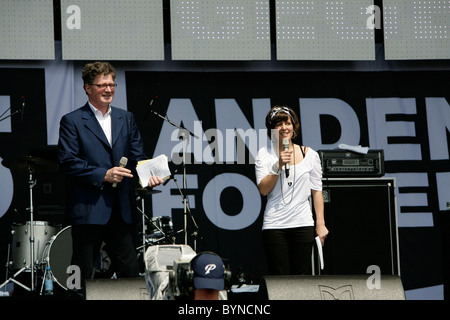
(85, 155)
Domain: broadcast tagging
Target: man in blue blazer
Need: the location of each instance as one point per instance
(101, 200)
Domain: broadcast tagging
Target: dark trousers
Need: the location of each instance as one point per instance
(288, 251)
(119, 238)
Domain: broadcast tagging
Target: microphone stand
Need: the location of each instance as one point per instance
(174, 124)
(15, 112)
(10, 115)
(187, 209)
(184, 136)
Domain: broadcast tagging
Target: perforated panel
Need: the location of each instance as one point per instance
(112, 30)
(417, 29)
(220, 30)
(324, 30)
(26, 30)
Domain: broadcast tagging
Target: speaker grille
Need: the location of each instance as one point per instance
(352, 287)
(116, 289)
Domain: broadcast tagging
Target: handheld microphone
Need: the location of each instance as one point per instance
(287, 166)
(123, 162)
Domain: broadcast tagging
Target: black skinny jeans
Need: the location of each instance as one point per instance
(288, 251)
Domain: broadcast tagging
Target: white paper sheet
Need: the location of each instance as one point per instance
(357, 149)
(319, 249)
(158, 167)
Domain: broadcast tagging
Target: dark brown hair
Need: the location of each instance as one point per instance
(91, 70)
(282, 113)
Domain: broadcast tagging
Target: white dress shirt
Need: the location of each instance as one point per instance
(104, 121)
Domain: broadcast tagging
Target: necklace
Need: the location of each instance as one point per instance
(289, 184)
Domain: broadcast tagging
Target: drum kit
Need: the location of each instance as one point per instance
(27, 251)
(36, 245)
(158, 230)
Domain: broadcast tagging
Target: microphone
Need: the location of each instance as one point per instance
(172, 176)
(123, 162)
(154, 98)
(23, 108)
(150, 109)
(287, 166)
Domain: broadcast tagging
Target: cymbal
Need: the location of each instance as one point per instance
(24, 164)
(142, 192)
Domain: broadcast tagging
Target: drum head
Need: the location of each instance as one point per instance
(60, 255)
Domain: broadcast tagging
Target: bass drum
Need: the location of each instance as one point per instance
(58, 255)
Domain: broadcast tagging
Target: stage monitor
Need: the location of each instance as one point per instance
(220, 30)
(324, 30)
(112, 30)
(26, 30)
(415, 30)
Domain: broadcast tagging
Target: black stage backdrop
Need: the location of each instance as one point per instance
(222, 194)
(421, 248)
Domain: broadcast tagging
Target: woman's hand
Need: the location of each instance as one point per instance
(285, 157)
(321, 232)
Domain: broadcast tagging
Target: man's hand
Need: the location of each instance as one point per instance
(116, 174)
(154, 181)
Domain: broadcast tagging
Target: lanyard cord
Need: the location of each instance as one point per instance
(293, 185)
(293, 181)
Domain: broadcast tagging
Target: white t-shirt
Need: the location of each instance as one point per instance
(290, 207)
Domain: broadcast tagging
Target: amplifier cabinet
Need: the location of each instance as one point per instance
(360, 214)
(346, 164)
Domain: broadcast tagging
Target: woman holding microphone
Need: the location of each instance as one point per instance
(289, 175)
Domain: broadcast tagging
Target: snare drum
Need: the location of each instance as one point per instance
(21, 246)
(58, 255)
(160, 231)
(161, 225)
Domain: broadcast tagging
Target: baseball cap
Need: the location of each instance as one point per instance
(208, 272)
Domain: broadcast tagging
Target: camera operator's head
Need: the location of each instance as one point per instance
(208, 271)
(204, 277)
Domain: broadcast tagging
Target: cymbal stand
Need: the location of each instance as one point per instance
(142, 210)
(144, 216)
(7, 266)
(31, 184)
